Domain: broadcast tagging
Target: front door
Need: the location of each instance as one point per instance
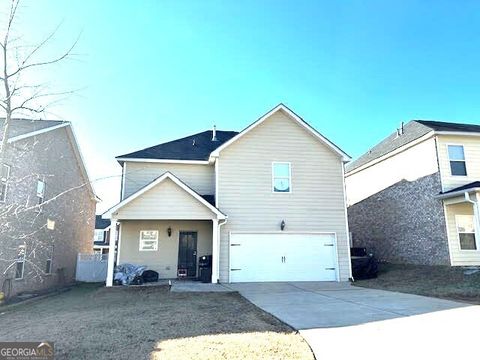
(187, 253)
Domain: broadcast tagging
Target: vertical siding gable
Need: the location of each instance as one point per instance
(165, 201)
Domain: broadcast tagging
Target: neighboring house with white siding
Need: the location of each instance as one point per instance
(413, 198)
(268, 203)
(101, 235)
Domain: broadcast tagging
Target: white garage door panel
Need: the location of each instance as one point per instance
(282, 257)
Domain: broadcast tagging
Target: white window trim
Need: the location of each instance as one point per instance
(458, 233)
(140, 242)
(289, 177)
(6, 183)
(464, 159)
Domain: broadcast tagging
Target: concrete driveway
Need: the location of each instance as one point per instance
(339, 320)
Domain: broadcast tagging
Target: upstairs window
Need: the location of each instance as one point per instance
(466, 232)
(4, 176)
(281, 177)
(456, 156)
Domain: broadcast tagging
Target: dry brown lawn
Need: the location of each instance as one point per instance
(438, 281)
(91, 322)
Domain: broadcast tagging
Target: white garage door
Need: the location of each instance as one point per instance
(282, 257)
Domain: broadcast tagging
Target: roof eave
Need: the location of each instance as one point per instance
(457, 133)
(164, 161)
(456, 193)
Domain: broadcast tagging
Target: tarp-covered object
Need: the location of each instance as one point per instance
(128, 274)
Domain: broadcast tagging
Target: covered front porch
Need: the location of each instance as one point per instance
(167, 227)
(462, 215)
(170, 247)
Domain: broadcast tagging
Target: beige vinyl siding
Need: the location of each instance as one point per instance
(413, 163)
(166, 200)
(165, 259)
(316, 202)
(459, 257)
(200, 178)
(471, 147)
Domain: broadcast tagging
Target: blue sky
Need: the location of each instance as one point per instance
(151, 71)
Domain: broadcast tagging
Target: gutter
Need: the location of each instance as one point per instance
(457, 193)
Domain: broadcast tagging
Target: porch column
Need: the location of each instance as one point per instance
(476, 218)
(111, 252)
(215, 252)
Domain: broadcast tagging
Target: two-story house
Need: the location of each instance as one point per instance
(47, 206)
(268, 204)
(413, 198)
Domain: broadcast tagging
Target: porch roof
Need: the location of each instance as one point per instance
(471, 187)
(166, 197)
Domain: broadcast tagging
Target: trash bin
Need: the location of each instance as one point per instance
(205, 268)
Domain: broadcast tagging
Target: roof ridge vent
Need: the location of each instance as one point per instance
(214, 133)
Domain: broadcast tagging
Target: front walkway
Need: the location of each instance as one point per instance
(342, 321)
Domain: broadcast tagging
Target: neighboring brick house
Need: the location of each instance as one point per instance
(413, 198)
(47, 206)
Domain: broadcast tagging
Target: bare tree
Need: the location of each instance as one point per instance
(18, 96)
(21, 98)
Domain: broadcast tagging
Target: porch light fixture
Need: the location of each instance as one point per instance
(169, 231)
(282, 225)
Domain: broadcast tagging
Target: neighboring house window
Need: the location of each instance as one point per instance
(4, 175)
(281, 177)
(97, 251)
(40, 194)
(98, 237)
(456, 157)
(20, 263)
(48, 264)
(466, 232)
(148, 240)
(40, 191)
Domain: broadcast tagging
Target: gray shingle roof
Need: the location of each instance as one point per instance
(448, 126)
(24, 126)
(472, 185)
(412, 131)
(100, 223)
(193, 147)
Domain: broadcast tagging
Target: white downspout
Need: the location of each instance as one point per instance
(476, 218)
(218, 247)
